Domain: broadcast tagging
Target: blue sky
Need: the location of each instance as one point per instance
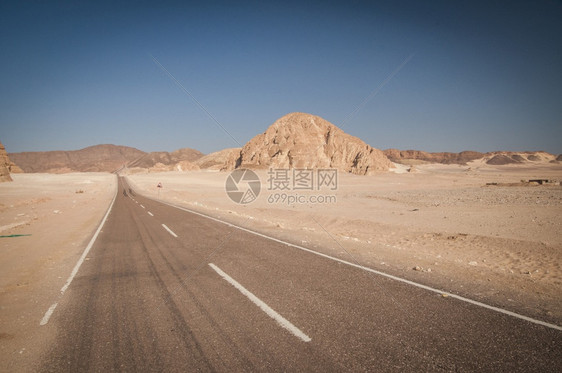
(479, 75)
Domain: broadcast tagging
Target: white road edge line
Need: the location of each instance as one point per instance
(169, 230)
(149, 213)
(48, 314)
(396, 278)
(283, 322)
(51, 309)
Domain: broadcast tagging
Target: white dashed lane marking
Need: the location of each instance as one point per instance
(263, 306)
(169, 230)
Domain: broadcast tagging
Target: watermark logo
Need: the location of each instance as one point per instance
(285, 186)
(302, 179)
(243, 186)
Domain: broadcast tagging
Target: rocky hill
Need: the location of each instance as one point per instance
(6, 166)
(503, 158)
(462, 158)
(406, 156)
(150, 160)
(300, 140)
(98, 158)
(219, 160)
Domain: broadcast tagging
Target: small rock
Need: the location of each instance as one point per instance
(417, 268)
(473, 263)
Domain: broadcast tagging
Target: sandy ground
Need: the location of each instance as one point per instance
(56, 216)
(441, 226)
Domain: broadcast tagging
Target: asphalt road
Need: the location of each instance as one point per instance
(166, 290)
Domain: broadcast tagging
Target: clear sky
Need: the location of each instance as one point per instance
(446, 75)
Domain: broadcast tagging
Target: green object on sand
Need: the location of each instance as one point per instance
(15, 235)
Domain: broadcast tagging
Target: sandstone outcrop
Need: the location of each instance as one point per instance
(503, 157)
(406, 156)
(159, 159)
(98, 158)
(300, 140)
(219, 160)
(178, 160)
(492, 158)
(4, 165)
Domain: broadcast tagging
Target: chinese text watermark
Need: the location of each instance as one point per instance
(285, 186)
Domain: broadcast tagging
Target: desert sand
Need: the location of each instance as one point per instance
(441, 226)
(46, 222)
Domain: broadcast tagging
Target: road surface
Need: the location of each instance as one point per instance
(163, 289)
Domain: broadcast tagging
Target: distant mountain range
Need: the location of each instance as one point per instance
(462, 158)
(101, 158)
(97, 158)
(149, 160)
(297, 140)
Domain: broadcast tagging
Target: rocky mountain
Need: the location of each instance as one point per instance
(161, 167)
(300, 140)
(503, 158)
(149, 160)
(462, 158)
(406, 156)
(98, 158)
(178, 160)
(219, 160)
(6, 165)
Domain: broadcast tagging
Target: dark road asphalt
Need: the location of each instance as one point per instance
(146, 300)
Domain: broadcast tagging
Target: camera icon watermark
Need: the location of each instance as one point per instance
(243, 186)
(285, 186)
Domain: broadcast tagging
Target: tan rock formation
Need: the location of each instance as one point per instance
(161, 167)
(300, 140)
(406, 156)
(186, 166)
(493, 158)
(4, 165)
(98, 158)
(219, 160)
(155, 160)
(503, 157)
